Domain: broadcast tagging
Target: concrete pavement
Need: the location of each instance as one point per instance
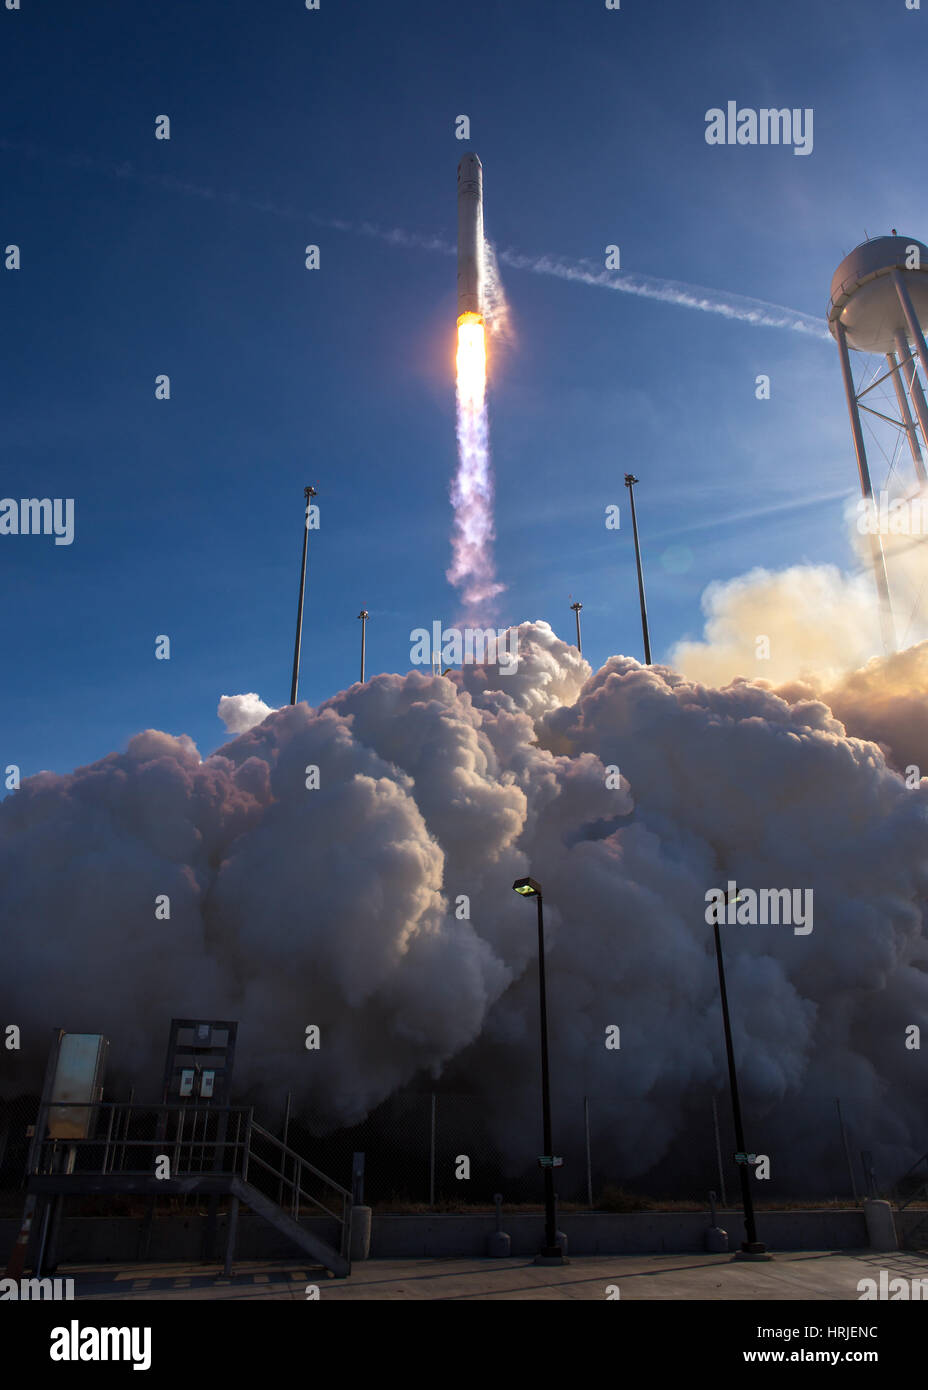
(800, 1275)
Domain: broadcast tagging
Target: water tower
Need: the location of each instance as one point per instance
(879, 302)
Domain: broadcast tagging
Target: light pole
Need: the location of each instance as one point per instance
(576, 608)
(630, 481)
(363, 615)
(308, 493)
(550, 1252)
(750, 1246)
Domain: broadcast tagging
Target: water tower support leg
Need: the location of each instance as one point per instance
(887, 626)
(907, 421)
(916, 394)
(915, 329)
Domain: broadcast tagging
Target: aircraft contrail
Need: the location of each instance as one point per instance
(742, 308)
(729, 306)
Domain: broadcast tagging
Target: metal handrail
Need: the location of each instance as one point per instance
(919, 1192)
(923, 1159)
(207, 1148)
(247, 1143)
(291, 1153)
(112, 1141)
(298, 1189)
(185, 1151)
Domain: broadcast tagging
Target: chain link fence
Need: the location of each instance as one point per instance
(435, 1150)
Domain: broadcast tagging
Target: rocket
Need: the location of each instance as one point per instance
(470, 237)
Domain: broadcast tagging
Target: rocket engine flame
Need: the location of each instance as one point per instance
(472, 492)
(472, 360)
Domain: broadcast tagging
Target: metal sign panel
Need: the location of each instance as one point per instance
(198, 1064)
(78, 1077)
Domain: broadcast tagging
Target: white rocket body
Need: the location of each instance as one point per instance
(470, 236)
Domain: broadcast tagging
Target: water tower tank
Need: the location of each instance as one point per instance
(864, 298)
(879, 305)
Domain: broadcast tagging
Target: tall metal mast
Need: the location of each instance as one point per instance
(308, 493)
(630, 481)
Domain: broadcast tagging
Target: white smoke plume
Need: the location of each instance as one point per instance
(337, 906)
(496, 311)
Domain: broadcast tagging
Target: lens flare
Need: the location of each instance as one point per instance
(472, 492)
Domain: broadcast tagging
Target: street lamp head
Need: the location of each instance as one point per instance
(364, 613)
(629, 479)
(527, 888)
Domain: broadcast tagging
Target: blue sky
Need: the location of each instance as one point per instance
(185, 257)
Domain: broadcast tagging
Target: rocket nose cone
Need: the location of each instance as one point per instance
(469, 164)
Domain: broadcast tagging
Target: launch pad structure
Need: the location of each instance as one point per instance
(185, 1146)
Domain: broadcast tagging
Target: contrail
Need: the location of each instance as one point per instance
(729, 306)
(738, 307)
(742, 308)
(712, 523)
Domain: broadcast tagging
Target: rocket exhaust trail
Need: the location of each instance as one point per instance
(472, 569)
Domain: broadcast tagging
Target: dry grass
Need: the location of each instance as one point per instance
(611, 1200)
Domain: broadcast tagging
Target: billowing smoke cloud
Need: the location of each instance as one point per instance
(240, 713)
(810, 621)
(776, 624)
(378, 904)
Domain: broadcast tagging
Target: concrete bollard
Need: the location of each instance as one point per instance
(359, 1244)
(881, 1228)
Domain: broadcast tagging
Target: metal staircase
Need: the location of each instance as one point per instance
(913, 1187)
(183, 1149)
